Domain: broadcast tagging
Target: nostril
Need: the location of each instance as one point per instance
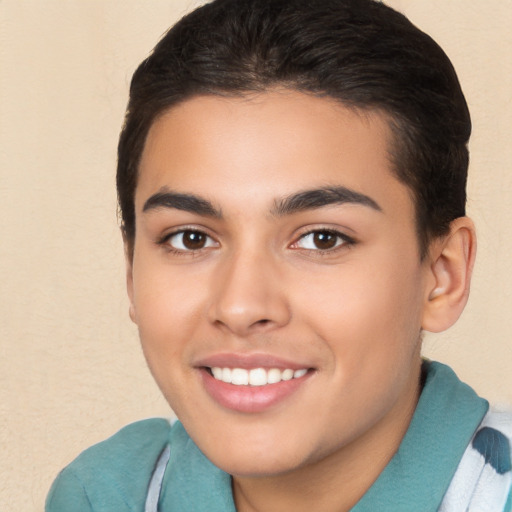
(264, 321)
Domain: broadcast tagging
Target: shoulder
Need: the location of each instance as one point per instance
(493, 443)
(483, 480)
(113, 474)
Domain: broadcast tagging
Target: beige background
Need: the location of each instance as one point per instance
(71, 369)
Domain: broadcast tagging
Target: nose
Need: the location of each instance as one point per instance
(249, 295)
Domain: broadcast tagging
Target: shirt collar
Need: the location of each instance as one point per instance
(446, 417)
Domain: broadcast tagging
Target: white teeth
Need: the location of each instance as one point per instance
(256, 376)
(226, 375)
(287, 374)
(239, 376)
(299, 373)
(217, 373)
(273, 376)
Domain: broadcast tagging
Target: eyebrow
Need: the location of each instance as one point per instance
(301, 201)
(318, 198)
(166, 198)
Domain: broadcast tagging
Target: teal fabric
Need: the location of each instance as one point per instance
(111, 476)
(446, 417)
(114, 475)
(192, 483)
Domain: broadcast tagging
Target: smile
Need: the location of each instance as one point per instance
(255, 376)
(252, 383)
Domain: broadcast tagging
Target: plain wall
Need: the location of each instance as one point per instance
(72, 372)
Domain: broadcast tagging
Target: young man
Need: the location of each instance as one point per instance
(292, 185)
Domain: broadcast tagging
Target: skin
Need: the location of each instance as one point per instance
(352, 313)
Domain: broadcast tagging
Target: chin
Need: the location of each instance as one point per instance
(253, 459)
(260, 468)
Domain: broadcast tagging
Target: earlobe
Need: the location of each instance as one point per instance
(131, 313)
(451, 261)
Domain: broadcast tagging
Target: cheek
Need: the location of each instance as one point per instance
(165, 327)
(164, 296)
(364, 309)
(166, 313)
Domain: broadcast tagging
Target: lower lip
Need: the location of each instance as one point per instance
(250, 399)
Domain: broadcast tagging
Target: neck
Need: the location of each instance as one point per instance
(337, 482)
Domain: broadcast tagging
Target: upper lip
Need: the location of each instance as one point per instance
(249, 361)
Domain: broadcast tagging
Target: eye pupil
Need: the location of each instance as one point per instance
(194, 240)
(324, 240)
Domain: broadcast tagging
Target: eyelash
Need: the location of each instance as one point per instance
(165, 241)
(342, 240)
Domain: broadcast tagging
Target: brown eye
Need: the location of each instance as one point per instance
(322, 240)
(190, 240)
(325, 240)
(193, 240)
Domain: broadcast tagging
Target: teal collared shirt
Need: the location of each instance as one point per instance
(114, 475)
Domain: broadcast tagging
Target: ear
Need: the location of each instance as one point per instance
(128, 257)
(451, 259)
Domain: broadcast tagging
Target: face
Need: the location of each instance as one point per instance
(276, 279)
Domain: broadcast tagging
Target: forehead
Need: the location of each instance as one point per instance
(267, 145)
